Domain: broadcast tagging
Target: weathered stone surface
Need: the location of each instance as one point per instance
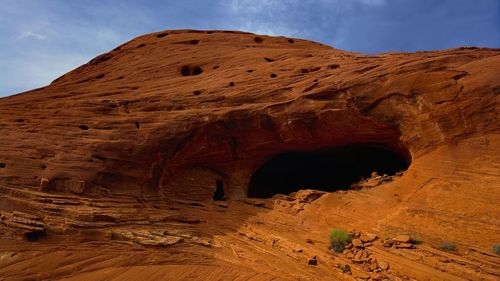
(136, 141)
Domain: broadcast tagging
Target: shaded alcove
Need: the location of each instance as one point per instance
(326, 169)
(219, 190)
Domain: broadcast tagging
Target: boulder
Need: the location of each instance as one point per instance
(367, 237)
(402, 238)
(357, 243)
(383, 265)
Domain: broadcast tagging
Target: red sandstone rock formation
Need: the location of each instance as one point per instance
(132, 146)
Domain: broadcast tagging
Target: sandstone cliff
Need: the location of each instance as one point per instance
(134, 146)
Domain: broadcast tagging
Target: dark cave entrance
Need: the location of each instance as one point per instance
(219, 190)
(326, 169)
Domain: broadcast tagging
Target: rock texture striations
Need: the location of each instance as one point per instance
(126, 153)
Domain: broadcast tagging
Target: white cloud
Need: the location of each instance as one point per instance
(34, 35)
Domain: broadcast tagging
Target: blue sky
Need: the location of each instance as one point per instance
(43, 39)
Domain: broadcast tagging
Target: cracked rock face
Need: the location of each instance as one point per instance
(151, 132)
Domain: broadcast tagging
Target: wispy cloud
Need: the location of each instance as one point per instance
(29, 34)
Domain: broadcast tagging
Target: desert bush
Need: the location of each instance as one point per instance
(448, 246)
(496, 249)
(339, 238)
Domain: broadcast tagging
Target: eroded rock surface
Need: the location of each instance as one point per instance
(121, 159)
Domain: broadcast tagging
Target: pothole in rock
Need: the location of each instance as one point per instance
(330, 169)
(187, 70)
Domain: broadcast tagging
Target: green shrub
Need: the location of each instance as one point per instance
(496, 249)
(448, 246)
(339, 238)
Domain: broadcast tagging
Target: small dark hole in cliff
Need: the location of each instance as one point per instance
(2, 165)
(258, 39)
(273, 75)
(83, 127)
(219, 190)
(194, 42)
(291, 41)
(187, 70)
(327, 169)
(35, 235)
(197, 70)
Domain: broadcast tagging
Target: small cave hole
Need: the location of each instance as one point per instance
(250, 71)
(333, 66)
(328, 169)
(273, 75)
(35, 235)
(197, 93)
(186, 70)
(2, 165)
(269, 59)
(258, 39)
(197, 70)
(216, 66)
(83, 127)
(231, 84)
(219, 190)
(141, 45)
(291, 41)
(194, 42)
(137, 125)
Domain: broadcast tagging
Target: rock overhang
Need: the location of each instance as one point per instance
(145, 121)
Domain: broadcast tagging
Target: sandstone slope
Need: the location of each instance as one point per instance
(111, 169)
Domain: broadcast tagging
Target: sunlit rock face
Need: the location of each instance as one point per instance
(219, 116)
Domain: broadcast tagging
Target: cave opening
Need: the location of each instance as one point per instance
(219, 190)
(327, 169)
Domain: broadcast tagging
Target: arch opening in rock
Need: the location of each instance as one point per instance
(328, 169)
